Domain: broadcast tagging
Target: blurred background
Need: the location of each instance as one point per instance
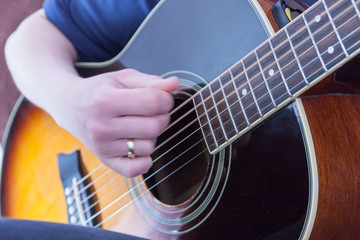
(12, 12)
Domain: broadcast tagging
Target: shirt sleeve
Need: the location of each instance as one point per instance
(98, 29)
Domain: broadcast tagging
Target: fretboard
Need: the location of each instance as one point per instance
(301, 54)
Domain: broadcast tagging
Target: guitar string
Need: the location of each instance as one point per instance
(154, 173)
(194, 132)
(160, 156)
(298, 45)
(167, 151)
(128, 203)
(140, 195)
(281, 58)
(285, 55)
(99, 190)
(108, 170)
(356, 8)
(131, 201)
(88, 175)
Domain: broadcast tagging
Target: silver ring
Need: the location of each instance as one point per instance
(131, 145)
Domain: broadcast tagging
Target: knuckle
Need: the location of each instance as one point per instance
(155, 126)
(166, 119)
(126, 97)
(148, 147)
(100, 99)
(96, 129)
(153, 102)
(158, 101)
(94, 108)
(97, 103)
(168, 102)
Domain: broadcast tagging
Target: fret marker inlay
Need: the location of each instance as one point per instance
(318, 18)
(271, 72)
(244, 92)
(331, 50)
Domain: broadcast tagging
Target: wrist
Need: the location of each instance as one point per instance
(64, 98)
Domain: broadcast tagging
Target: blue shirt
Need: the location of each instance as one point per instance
(98, 29)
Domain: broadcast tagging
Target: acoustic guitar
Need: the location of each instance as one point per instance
(253, 151)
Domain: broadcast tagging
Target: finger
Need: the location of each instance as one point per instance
(128, 127)
(140, 126)
(119, 148)
(130, 78)
(142, 101)
(129, 167)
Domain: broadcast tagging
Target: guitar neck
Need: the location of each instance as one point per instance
(301, 54)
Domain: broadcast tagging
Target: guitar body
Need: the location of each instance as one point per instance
(291, 177)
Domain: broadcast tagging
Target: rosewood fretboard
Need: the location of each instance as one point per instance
(301, 54)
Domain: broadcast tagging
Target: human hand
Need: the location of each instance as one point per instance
(106, 110)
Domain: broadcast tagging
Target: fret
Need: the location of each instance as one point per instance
(313, 40)
(304, 48)
(352, 40)
(224, 83)
(356, 7)
(212, 114)
(355, 46)
(204, 120)
(257, 84)
(215, 117)
(287, 63)
(347, 21)
(243, 89)
(296, 56)
(272, 74)
(251, 89)
(222, 110)
(239, 101)
(334, 26)
(341, 12)
(324, 36)
(278, 65)
(264, 78)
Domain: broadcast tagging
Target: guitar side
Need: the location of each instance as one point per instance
(334, 125)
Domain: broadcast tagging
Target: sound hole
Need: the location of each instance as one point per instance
(180, 160)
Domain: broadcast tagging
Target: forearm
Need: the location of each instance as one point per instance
(40, 59)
